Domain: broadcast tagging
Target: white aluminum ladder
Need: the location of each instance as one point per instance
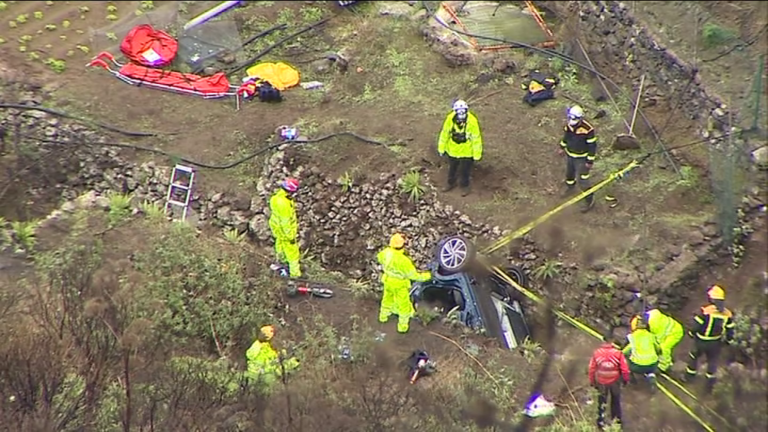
(179, 190)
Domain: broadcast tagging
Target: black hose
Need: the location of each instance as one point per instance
(82, 120)
(248, 41)
(201, 164)
(261, 34)
(267, 50)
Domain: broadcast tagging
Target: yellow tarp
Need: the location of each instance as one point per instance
(281, 75)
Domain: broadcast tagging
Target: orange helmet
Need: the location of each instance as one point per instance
(637, 322)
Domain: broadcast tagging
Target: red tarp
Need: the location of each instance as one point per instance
(210, 85)
(149, 47)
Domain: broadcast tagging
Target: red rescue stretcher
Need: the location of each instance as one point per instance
(210, 87)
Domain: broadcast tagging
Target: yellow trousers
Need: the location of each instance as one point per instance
(288, 252)
(667, 345)
(397, 300)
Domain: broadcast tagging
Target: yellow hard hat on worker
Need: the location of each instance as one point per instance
(397, 241)
(637, 322)
(716, 292)
(268, 331)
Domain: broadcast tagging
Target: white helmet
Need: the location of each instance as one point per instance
(460, 108)
(575, 114)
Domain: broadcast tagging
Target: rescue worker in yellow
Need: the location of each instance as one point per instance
(285, 225)
(264, 364)
(642, 351)
(579, 145)
(398, 272)
(668, 332)
(462, 141)
(712, 327)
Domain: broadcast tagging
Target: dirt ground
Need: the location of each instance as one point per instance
(395, 90)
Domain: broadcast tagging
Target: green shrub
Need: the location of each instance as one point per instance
(119, 207)
(713, 35)
(200, 290)
(25, 233)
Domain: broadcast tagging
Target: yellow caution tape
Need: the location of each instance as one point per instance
(576, 323)
(533, 224)
(684, 407)
(692, 396)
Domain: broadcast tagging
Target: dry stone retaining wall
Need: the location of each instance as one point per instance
(613, 36)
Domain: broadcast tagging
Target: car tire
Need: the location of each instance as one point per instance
(518, 275)
(455, 254)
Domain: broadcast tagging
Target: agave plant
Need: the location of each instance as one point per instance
(119, 207)
(25, 233)
(234, 236)
(411, 185)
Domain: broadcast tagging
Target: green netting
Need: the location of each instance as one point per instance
(727, 162)
(509, 22)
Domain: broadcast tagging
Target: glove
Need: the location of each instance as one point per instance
(588, 165)
(560, 151)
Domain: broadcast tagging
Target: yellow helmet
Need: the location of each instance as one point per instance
(268, 331)
(637, 322)
(397, 241)
(716, 293)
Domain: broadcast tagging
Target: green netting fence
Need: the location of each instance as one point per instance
(729, 157)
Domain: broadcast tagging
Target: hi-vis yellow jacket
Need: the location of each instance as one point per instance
(463, 141)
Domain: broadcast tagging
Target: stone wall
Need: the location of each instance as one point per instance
(342, 228)
(614, 37)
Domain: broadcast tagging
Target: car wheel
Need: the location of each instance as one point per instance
(455, 254)
(518, 275)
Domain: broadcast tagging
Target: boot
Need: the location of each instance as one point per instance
(569, 189)
(709, 386)
(449, 188)
(465, 191)
(651, 378)
(589, 202)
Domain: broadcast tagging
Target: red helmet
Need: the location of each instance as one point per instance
(290, 184)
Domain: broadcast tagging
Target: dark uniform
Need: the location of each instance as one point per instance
(710, 329)
(580, 145)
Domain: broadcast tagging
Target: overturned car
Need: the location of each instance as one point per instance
(481, 300)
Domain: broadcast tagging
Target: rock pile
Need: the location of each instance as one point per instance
(345, 227)
(617, 38)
